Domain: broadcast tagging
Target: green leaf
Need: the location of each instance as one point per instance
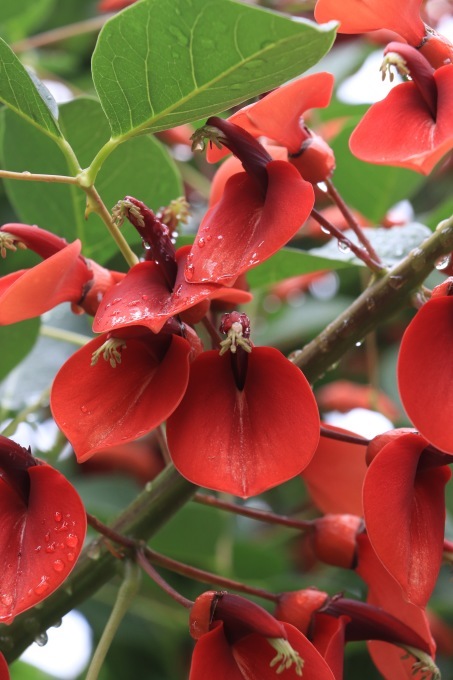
(392, 245)
(370, 189)
(292, 262)
(161, 63)
(16, 341)
(19, 92)
(141, 168)
(17, 19)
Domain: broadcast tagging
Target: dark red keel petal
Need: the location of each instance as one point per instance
(425, 371)
(39, 542)
(59, 278)
(143, 298)
(112, 406)
(243, 229)
(406, 528)
(244, 442)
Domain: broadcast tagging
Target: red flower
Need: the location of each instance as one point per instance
(425, 370)
(43, 525)
(137, 384)
(114, 5)
(260, 210)
(222, 435)
(63, 276)
(407, 530)
(422, 106)
(4, 672)
(238, 640)
(344, 395)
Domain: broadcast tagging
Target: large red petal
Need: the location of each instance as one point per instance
(378, 139)
(39, 543)
(243, 229)
(212, 657)
(60, 278)
(244, 442)
(4, 671)
(406, 527)
(360, 16)
(335, 475)
(329, 639)
(101, 406)
(254, 655)
(425, 371)
(142, 297)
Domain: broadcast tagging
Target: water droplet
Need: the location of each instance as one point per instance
(189, 272)
(219, 237)
(370, 303)
(443, 263)
(63, 526)
(72, 540)
(58, 623)
(41, 639)
(179, 35)
(324, 343)
(94, 551)
(395, 281)
(84, 409)
(70, 556)
(208, 237)
(418, 259)
(144, 297)
(116, 300)
(38, 548)
(58, 565)
(50, 548)
(359, 343)
(325, 230)
(58, 516)
(42, 586)
(201, 242)
(254, 63)
(6, 599)
(343, 247)
(177, 292)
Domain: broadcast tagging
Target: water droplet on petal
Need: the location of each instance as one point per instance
(201, 242)
(42, 586)
(58, 565)
(144, 297)
(41, 639)
(208, 237)
(58, 516)
(443, 263)
(70, 557)
(6, 599)
(84, 409)
(72, 540)
(370, 303)
(189, 272)
(325, 230)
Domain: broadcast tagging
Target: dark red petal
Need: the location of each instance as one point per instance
(143, 298)
(328, 638)
(425, 371)
(224, 439)
(59, 278)
(254, 654)
(4, 671)
(100, 406)
(212, 657)
(242, 230)
(44, 243)
(39, 543)
(357, 16)
(378, 139)
(335, 475)
(406, 528)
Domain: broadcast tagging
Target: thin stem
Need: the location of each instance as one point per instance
(23, 415)
(160, 581)
(33, 177)
(359, 251)
(104, 152)
(343, 437)
(253, 513)
(61, 33)
(213, 333)
(64, 335)
(126, 594)
(351, 220)
(162, 442)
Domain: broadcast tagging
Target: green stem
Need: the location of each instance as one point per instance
(34, 177)
(90, 173)
(64, 335)
(23, 415)
(61, 33)
(126, 594)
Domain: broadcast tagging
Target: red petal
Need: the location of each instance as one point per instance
(142, 297)
(222, 438)
(328, 638)
(378, 139)
(58, 279)
(4, 671)
(115, 405)
(335, 475)
(407, 530)
(425, 371)
(212, 657)
(243, 229)
(39, 543)
(254, 654)
(360, 16)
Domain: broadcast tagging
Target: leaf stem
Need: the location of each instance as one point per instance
(22, 415)
(64, 335)
(61, 33)
(126, 594)
(33, 177)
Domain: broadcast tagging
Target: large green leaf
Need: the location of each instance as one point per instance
(370, 189)
(161, 63)
(141, 168)
(24, 95)
(16, 341)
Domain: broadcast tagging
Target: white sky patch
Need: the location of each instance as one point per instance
(67, 651)
(60, 92)
(366, 86)
(361, 421)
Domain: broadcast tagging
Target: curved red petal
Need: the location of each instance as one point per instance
(39, 543)
(142, 297)
(329, 639)
(4, 671)
(60, 278)
(334, 476)
(115, 405)
(425, 371)
(254, 655)
(212, 656)
(407, 530)
(243, 229)
(377, 138)
(222, 438)
(360, 16)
